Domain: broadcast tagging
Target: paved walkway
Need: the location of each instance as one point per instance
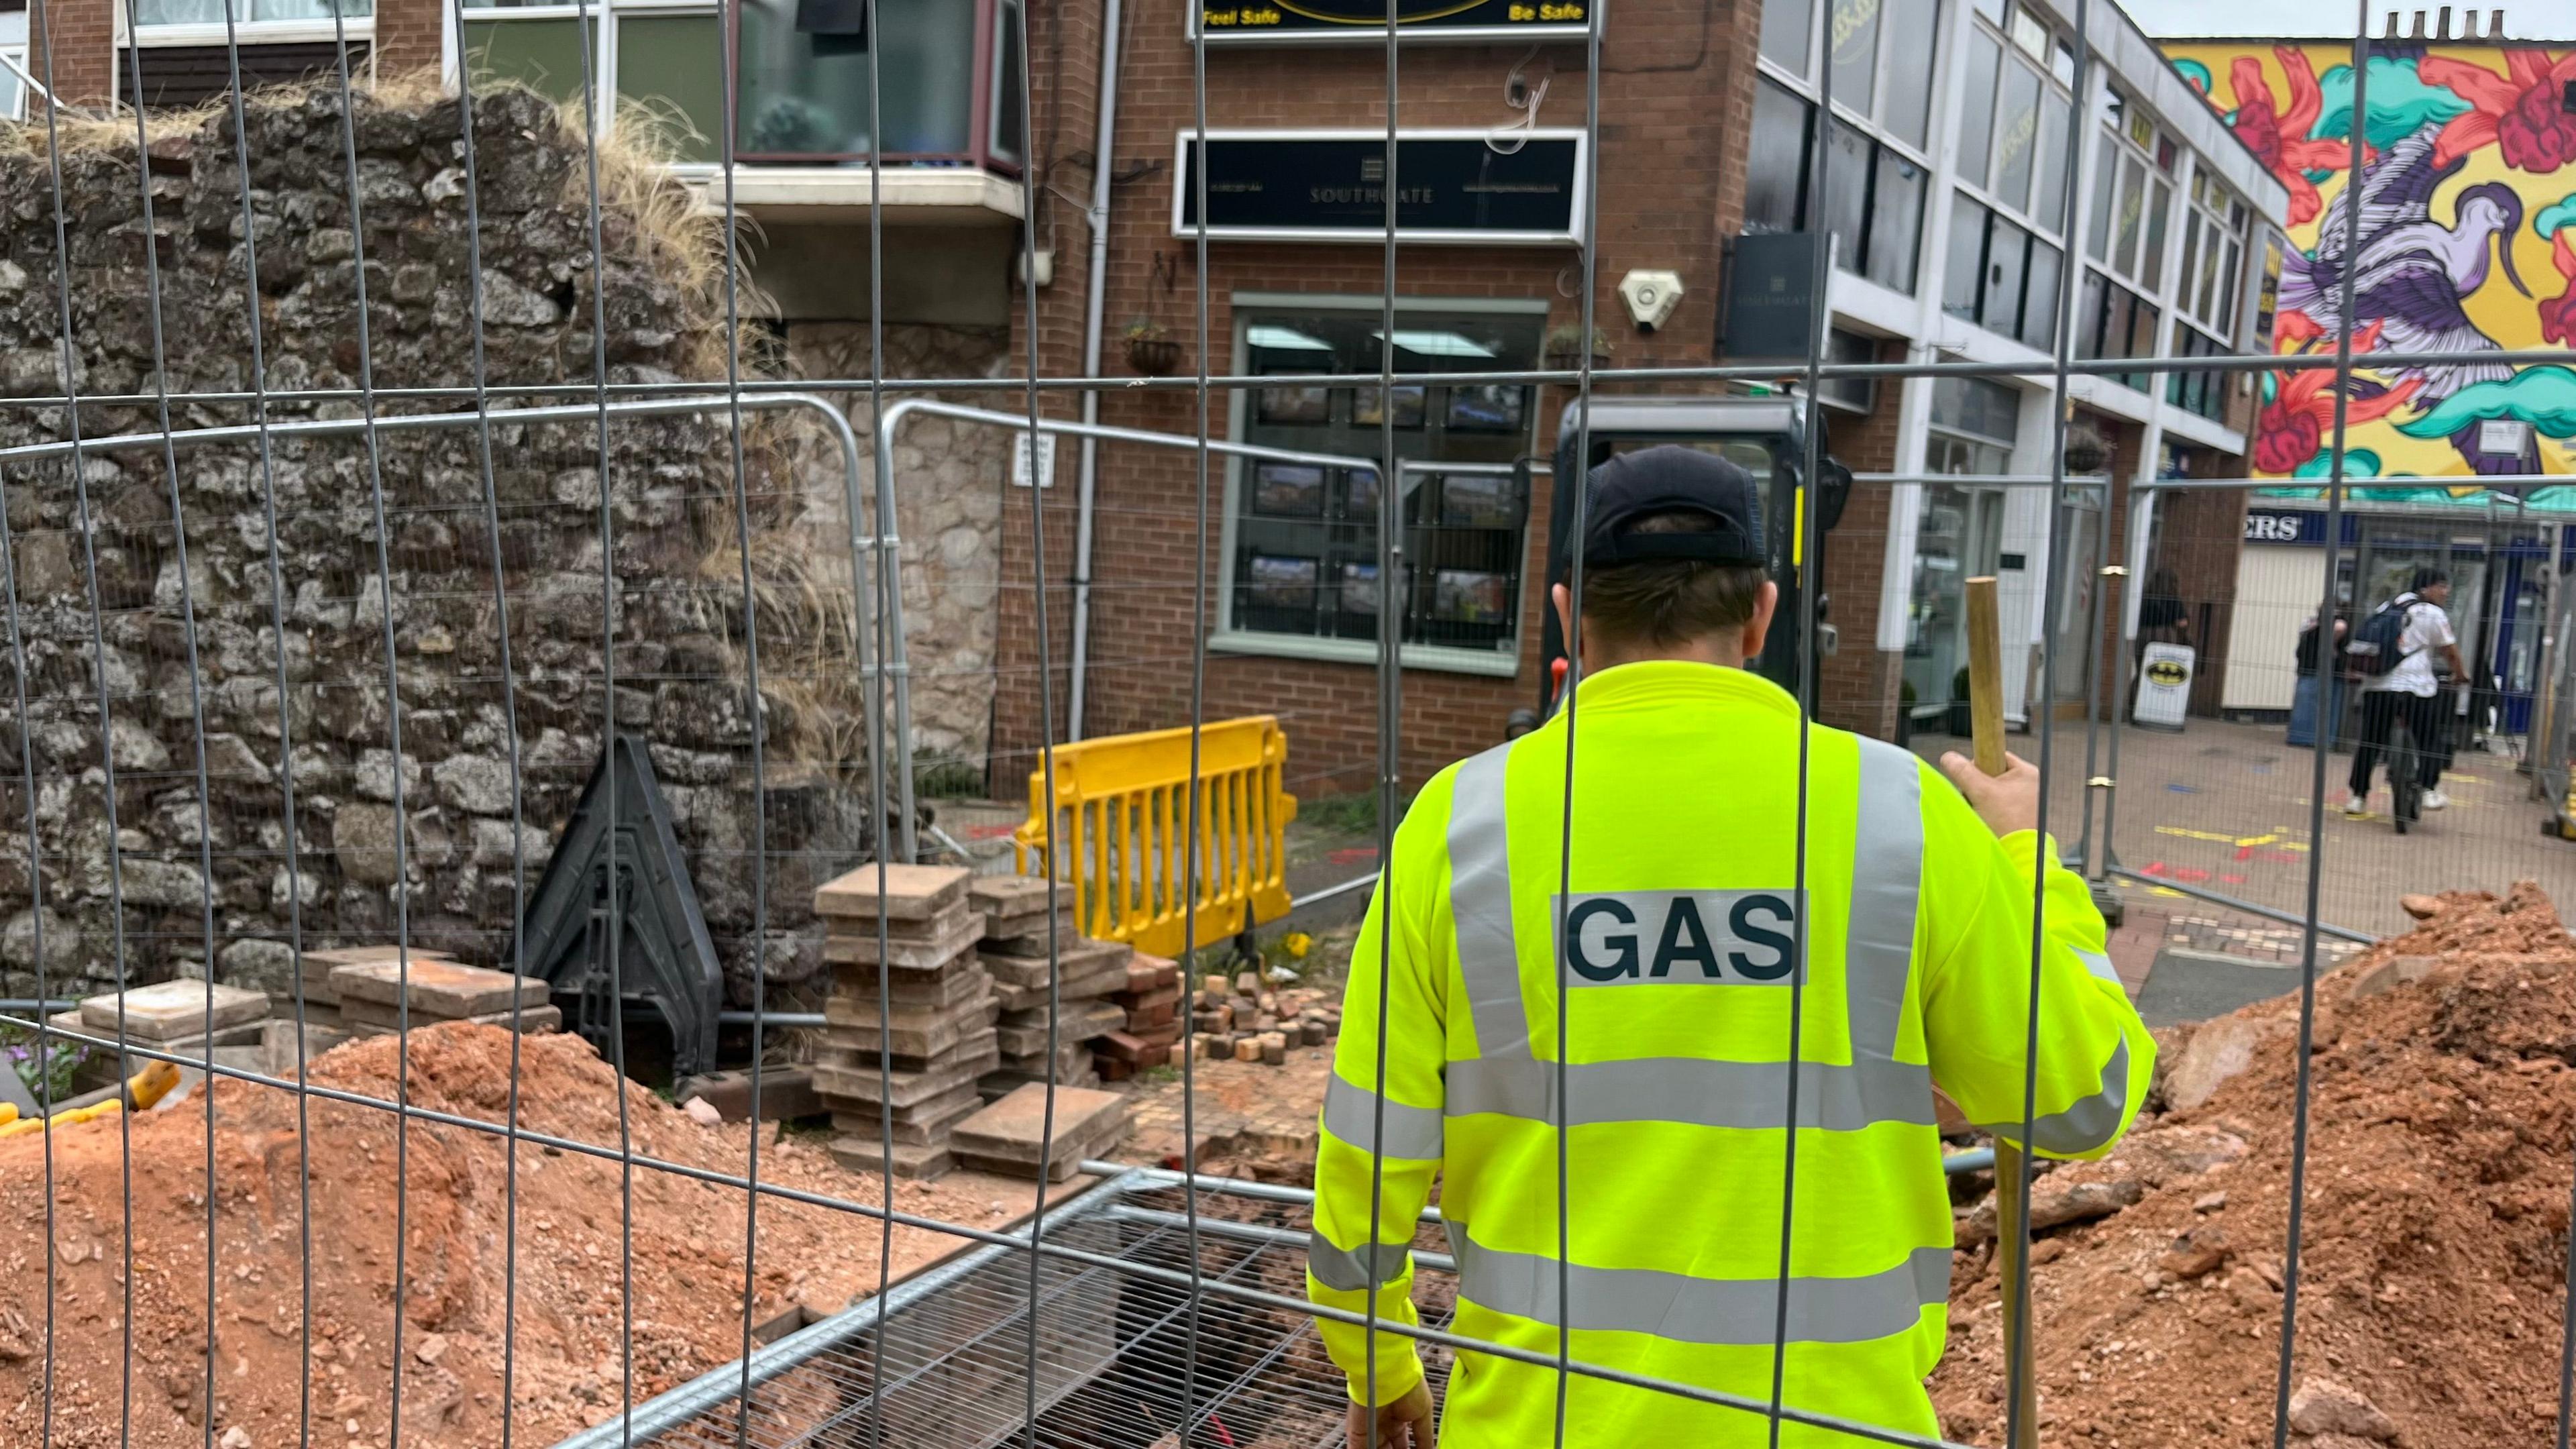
(2224, 807)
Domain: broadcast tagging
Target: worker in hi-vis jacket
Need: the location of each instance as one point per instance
(1665, 910)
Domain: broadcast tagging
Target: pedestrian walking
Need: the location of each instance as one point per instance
(2393, 650)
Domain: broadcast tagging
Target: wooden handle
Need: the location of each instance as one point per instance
(1985, 676)
(1986, 729)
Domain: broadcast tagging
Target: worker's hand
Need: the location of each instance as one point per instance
(1404, 1424)
(2006, 802)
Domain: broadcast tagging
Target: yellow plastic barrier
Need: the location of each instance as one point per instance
(1120, 817)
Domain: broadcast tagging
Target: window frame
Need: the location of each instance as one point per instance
(2046, 141)
(1225, 635)
(1859, 259)
(1873, 129)
(176, 34)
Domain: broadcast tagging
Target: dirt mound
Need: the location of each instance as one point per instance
(687, 1264)
(2433, 1266)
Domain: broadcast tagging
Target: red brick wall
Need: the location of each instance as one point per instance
(1857, 688)
(89, 68)
(84, 50)
(1675, 101)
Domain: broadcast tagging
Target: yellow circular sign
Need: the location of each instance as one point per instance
(2168, 672)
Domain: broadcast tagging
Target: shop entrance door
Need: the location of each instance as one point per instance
(1960, 538)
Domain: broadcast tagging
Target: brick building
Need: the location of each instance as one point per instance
(1943, 188)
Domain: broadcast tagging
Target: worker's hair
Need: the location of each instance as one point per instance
(1671, 601)
(2426, 577)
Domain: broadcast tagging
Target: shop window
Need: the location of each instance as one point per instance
(1874, 194)
(1879, 67)
(1304, 560)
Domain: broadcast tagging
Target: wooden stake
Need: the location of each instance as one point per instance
(1986, 726)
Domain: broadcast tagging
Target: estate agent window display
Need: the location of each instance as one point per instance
(1305, 538)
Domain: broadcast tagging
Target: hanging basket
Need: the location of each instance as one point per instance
(2086, 452)
(1153, 356)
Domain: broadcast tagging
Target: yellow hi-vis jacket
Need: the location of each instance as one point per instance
(1680, 916)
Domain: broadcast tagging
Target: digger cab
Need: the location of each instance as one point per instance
(1767, 437)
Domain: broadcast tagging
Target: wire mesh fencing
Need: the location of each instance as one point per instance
(413, 540)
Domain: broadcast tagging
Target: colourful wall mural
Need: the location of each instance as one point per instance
(2467, 246)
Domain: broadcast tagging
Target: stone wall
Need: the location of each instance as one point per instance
(678, 660)
(949, 481)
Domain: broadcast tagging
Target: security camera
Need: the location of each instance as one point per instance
(1651, 297)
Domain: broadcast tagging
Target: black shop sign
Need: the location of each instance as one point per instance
(1451, 186)
(1327, 22)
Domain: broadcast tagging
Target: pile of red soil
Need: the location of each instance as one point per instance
(687, 1266)
(2433, 1262)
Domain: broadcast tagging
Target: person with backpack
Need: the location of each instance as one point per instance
(2393, 653)
(2318, 703)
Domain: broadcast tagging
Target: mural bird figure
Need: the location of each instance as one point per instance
(2410, 275)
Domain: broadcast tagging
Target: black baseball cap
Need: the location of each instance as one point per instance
(1672, 479)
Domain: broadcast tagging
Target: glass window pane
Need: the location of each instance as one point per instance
(1977, 109)
(2030, 34)
(2088, 314)
(1846, 193)
(1967, 262)
(1855, 47)
(1788, 26)
(543, 55)
(2199, 288)
(2039, 298)
(2005, 257)
(2142, 330)
(1910, 40)
(2231, 274)
(2049, 207)
(2016, 127)
(2062, 64)
(2152, 265)
(1776, 170)
(806, 94)
(1993, 10)
(2124, 243)
(662, 67)
(2192, 226)
(2106, 172)
(1305, 555)
(1895, 221)
(2118, 303)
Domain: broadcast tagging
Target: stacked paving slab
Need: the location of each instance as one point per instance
(1011, 1136)
(1014, 951)
(1152, 1002)
(919, 1057)
(373, 996)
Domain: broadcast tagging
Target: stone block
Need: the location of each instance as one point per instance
(316, 966)
(1094, 968)
(967, 981)
(173, 1010)
(367, 1018)
(786, 1093)
(436, 988)
(944, 939)
(915, 1031)
(912, 892)
(921, 1162)
(284, 1047)
(842, 1074)
(1009, 1133)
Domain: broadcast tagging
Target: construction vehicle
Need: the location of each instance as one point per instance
(1767, 436)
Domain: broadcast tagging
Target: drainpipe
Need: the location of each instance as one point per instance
(1094, 302)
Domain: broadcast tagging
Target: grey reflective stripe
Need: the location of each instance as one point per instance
(2092, 1122)
(1505, 1079)
(1721, 1311)
(1878, 950)
(1480, 905)
(1694, 1090)
(1352, 1270)
(1351, 1114)
(2100, 966)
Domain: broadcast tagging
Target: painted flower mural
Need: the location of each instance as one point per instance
(2558, 314)
(2522, 113)
(2298, 407)
(2281, 138)
(2462, 145)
